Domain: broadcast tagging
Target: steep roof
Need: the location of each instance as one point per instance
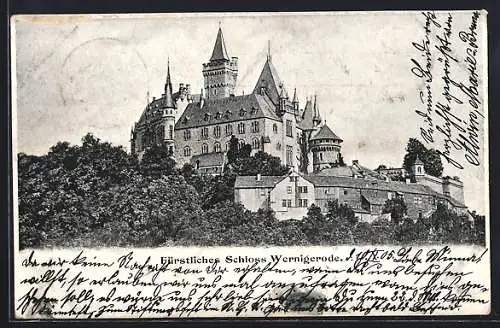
(155, 105)
(250, 181)
(418, 161)
(219, 111)
(307, 117)
(220, 51)
(325, 133)
(169, 101)
(270, 79)
(208, 159)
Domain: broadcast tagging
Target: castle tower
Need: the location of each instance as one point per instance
(325, 147)
(221, 72)
(418, 168)
(168, 113)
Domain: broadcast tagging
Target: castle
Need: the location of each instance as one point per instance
(197, 129)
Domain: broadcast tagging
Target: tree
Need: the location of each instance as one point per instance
(396, 207)
(430, 157)
(157, 161)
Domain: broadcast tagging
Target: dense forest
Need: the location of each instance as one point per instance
(96, 194)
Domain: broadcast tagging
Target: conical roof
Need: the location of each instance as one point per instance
(169, 98)
(270, 79)
(220, 51)
(307, 116)
(316, 115)
(325, 133)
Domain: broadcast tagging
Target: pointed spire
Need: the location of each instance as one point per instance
(268, 49)
(219, 52)
(169, 99)
(295, 96)
(316, 115)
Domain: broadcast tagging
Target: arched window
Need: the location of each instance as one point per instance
(229, 130)
(187, 134)
(241, 144)
(204, 148)
(187, 151)
(255, 143)
(217, 147)
(275, 128)
(217, 131)
(278, 146)
(227, 145)
(241, 128)
(419, 169)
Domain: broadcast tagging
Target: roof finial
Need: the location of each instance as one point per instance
(219, 23)
(147, 98)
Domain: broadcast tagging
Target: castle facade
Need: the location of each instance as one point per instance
(197, 128)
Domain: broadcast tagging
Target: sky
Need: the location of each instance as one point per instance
(79, 74)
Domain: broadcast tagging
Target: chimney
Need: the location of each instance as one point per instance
(258, 177)
(154, 98)
(188, 89)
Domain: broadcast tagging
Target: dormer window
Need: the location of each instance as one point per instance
(218, 116)
(242, 112)
(228, 113)
(253, 111)
(207, 116)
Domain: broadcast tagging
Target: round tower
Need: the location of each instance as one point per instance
(325, 147)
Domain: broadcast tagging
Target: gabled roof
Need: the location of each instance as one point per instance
(230, 109)
(325, 133)
(220, 51)
(270, 80)
(250, 181)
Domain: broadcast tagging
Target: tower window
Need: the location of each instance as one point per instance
(289, 132)
(217, 147)
(419, 169)
(217, 131)
(171, 132)
(255, 143)
(289, 155)
(187, 151)
(204, 148)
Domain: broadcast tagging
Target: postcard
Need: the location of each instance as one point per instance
(250, 165)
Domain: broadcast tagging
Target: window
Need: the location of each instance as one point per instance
(217, 147)
(275, 128)
(278, 146)
(187, 134)
(289, 155)
(302, 202)
(241, 144)
(171, 132)
(217, 131)
(419, 169)
(286, 203)
(303, 189)
(417, 200)
(345, 192)
(187, 151)
(204, 133)
(263, 192)
(241, 128)
(255, 143)
(289, 189)
(204, 148)
(289, 132)
(242, 112)
(227, 145)
(229, 130)
(389, 195)
(320, 156)
(255, 126)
